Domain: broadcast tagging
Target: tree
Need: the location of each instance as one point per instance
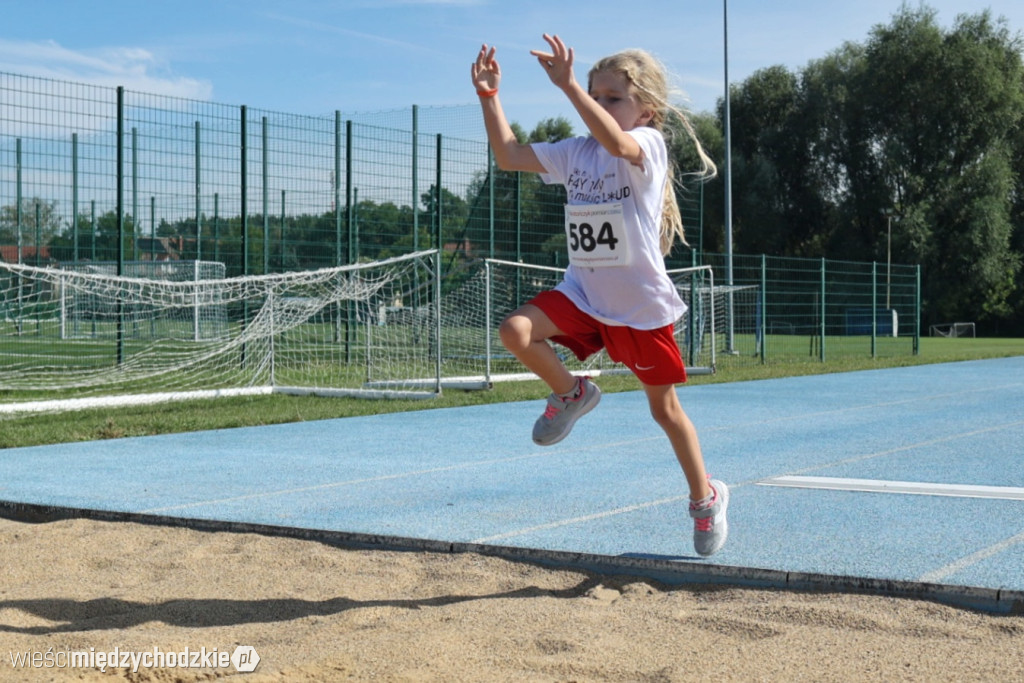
(551, 130)
(39, 222)
(700, 202)
(919, 120)
(453, 212)
(941, 108)
(100, 239)
(528, 215)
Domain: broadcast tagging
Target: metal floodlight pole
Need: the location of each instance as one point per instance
(889, 213)
(730, 345)
(888, 261)
(120, 220)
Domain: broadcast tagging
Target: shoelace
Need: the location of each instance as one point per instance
(551, 411)
(704, 524)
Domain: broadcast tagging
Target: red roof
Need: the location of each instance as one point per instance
(9, 253)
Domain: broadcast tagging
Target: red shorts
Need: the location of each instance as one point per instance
(652, 355)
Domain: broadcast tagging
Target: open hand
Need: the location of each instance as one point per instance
(557, 63)
(486, 72)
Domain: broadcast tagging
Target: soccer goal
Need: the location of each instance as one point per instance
(80, 337)
(952, 330)
(82, 313)
(479, 296)
(83, 336)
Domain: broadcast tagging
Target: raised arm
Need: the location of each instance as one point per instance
(509, 154)
(558, 64)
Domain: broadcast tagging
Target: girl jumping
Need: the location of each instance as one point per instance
(621, 220)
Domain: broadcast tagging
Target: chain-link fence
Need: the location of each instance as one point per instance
(816, 309)
(100, 174)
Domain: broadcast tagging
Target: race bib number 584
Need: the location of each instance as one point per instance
(596, 235)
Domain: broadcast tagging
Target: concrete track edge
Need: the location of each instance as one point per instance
(670, 572)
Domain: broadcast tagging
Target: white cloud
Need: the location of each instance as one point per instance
(134, 68)
(339, 30)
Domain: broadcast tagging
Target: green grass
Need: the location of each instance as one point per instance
(107, 423)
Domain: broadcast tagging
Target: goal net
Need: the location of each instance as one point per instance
(82, 336)
(952, 330)
(82, 313)
(479, 296)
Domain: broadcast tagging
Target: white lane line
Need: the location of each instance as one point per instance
(910, 447)
(549, 454)
(585, 518)
(906, 487)
(632, 508)
(916, 400)
(942, 573)
(350, 482)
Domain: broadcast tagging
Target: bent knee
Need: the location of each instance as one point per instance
(668, 414)
(515, 331)
(663, 416)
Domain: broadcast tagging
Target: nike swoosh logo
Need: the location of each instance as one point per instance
(641, 367)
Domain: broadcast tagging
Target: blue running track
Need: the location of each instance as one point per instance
(902, 481)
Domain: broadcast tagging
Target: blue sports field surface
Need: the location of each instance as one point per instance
(904, 481)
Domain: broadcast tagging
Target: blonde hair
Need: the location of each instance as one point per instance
(650, 80)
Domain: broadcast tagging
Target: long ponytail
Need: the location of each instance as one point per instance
(649, 78)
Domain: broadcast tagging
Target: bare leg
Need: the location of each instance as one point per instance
(670, 416)
(525, 333)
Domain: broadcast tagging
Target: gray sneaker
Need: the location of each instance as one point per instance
(710, 527)
(561, 413)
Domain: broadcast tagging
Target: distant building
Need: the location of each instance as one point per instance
(160, 248)
(9, 254)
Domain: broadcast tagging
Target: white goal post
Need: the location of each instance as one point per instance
(79, 311)
(952, 330)
(82, 337)
(488, 290)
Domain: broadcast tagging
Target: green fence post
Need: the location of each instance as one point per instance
(700, 238)
(349, 313)
(337, 188)
(120, 218)
(74, 194)
(266, 211)
(282, 230)
(917, 309)
(216, 226)
(17, 222)
(199, 205)
(415, 181)
(244, 185)
(822, 310)
(490, 199)
(355, 225)
(874, 309)
(135, 191)
(764, 307)
(436, 218)
(519, 220)
(39, 235)
(348, 190)
(691, 332)
(39, 263)
(519, 236)
(17, 207)
(244, 182)
(437, 273)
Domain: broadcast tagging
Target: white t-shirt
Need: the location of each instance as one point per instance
(638, 295)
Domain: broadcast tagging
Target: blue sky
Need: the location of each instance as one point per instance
(318, 56)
